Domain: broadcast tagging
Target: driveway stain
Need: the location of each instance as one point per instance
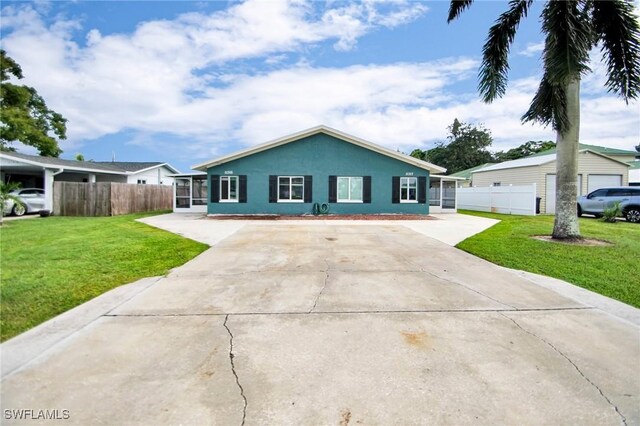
(345, 417)
(417, 339)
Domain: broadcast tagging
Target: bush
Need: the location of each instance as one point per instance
(611, 213)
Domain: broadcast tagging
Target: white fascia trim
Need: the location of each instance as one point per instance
(330, 131)
(444, 177)
(57, 166)
(167, 165)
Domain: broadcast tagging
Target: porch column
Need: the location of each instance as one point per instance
(91, 178)
(48, 189)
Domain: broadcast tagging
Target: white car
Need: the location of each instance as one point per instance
(32, 201)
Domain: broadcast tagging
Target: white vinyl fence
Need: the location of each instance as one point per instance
(499, 199)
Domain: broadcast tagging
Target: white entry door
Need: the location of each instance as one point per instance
(550, 192)
(603, 181)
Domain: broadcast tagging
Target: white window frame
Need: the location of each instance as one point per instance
(142, 181)
(497, 184)
(227, 180)
(408, 179)
(349, 200)
(290, 178)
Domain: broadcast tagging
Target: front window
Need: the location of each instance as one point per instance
(349, 189)
(408, 190)
(291, 188)
(229, 189)
(142, 181)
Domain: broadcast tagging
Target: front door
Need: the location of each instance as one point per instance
(448, 194)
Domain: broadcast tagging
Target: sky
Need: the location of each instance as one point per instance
(185, 82)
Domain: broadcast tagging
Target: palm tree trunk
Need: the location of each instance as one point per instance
(566, 222)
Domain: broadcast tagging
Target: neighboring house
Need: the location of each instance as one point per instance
(35, 171)
(617, 154)
(466, 175)
(294, 174)
(595, 170)
(634, 173)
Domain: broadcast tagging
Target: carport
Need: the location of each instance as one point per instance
(40, 172)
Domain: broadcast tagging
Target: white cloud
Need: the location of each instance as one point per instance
(532, 49)
(172, 78)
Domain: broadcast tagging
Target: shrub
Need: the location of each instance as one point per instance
(612, 212)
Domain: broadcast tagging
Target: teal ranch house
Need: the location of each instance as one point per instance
(319, 170)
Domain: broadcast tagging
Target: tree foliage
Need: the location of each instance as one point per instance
(466, 146)
(524, 150)
(572, 29)
(25, 116)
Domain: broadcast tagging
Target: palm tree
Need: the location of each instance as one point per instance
(5, 195)
(572, 29)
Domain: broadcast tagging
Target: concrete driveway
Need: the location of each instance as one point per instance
(339, 324)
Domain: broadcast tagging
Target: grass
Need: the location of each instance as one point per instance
(50, 265)
(611, 271)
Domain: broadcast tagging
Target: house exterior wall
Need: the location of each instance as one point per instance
(79, 177)
(319, 156)
(588, 163)
(111, 178)
(624, 158)
(155, 176)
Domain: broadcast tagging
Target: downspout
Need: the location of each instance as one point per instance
(48, 187)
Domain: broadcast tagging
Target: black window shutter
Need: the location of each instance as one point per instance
(366, 189)
(422, 189)
(243, 189)
(215, 188)
(308, 191)
(333, 189)
(395, 189)
(273, 189)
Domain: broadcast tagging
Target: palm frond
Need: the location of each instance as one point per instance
(456, 7)
(616, 27)
(549, 106)
(495, 53)
(569, 38)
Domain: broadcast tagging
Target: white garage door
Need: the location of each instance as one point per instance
(550, 193)
(602, 181)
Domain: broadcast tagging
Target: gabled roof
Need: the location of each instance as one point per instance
(466, 174)
(536, 160)
(328, 131)
(593, 148)
(121, 168)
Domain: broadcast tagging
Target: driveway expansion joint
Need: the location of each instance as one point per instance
(233, 370)
(398, 311)
(623, 419)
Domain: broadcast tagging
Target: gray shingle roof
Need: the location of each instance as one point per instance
(121, 167)
(129, 166)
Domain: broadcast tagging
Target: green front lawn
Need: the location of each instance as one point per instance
(49, 265)
(611, 271)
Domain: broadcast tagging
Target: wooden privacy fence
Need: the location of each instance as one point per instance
(109, 198)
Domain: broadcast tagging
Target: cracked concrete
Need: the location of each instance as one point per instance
(324, 285)
(402, 329)
(233, 369)
(623, 418)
